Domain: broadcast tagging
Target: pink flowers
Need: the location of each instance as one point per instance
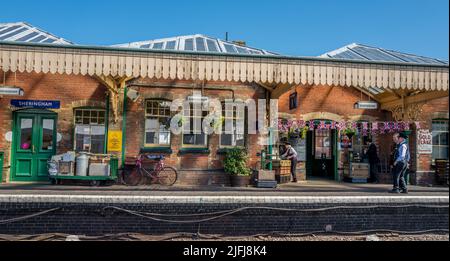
(363, 127)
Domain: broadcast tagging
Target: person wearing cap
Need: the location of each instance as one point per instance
(372, 154)
(291, 154)
(401, 158)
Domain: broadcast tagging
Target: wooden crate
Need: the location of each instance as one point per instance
(357, 171)
(266, 174)
(356, 165)
(281, 179)
(281, 163)
(66, 168)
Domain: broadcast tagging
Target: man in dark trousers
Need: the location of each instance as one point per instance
(401, 158)
(291, 154)
(372, 154)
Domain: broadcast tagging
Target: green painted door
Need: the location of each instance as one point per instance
(321, 156)
(34, 142)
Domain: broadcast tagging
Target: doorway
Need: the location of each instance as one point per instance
(34, 142)
(322, 153)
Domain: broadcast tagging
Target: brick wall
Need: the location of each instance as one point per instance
(197, 168)
(76, 90)
(333, 103)
(71, 90)
(336, 103)
(434, 109)
(94, 219)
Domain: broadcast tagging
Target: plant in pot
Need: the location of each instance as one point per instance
(235, 164)
(349, 133)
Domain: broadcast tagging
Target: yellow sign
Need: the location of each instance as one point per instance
(114, 140)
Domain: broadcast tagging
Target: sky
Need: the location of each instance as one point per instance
(296, 27)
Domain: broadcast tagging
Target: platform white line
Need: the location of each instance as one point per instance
(220, 199)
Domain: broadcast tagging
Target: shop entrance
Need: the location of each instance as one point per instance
(322, 154)
(34, 142)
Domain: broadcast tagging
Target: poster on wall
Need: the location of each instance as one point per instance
(424, 142)
(114, 140)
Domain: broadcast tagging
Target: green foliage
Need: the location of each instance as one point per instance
(236, 162)
(349, 132)
(304, 132)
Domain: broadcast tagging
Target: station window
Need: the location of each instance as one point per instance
(192, 139)
(90, 130)
(293, 101)
(235, 139)
(157, 123)
(440, 139)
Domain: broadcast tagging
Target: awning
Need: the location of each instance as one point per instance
(268, 70)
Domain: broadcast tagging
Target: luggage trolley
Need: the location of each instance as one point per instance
(96, 170)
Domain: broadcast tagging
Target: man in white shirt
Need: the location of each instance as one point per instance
(291, 155)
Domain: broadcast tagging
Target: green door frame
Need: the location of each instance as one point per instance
(334, 140)
(36, 153)
(309, 151)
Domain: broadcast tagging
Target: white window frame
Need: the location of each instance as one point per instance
(205, 145)
(234, 135)
(439, 131)
(89, 125)
(167, 114)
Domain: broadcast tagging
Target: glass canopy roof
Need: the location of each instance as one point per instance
(23, 32)
(196, 43)
(367, 53)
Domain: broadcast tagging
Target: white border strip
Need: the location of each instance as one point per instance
(110, 199)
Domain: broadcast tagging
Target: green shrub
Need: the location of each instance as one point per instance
(236, 162)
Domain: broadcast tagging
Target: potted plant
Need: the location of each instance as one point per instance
(349, 133)
(235, 164)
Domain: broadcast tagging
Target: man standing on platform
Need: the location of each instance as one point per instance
(401, 158)
(291, 154)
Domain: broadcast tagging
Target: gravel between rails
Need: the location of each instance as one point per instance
(193, 237)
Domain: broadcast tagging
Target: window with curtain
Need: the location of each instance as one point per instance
(157, 123)
(90, 130)
(440, 139)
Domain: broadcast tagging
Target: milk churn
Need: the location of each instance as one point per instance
(82, 164)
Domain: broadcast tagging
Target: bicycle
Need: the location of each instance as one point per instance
(162, 174)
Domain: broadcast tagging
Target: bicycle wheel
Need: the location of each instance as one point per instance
(167, 176)
(132, 177)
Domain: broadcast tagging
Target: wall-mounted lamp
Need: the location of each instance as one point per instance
(133, 95)
(11, 90)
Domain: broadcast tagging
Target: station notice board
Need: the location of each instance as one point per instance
(424, 142)
(114, 140)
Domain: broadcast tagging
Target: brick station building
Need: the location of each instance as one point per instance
(75, 95)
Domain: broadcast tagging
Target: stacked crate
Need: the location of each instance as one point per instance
(358, 172)
(99, 166)
(282, 170)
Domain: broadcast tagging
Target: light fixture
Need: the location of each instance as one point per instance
(11, 90)
(133, 94)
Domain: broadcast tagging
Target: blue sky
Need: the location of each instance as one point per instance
(296, 27)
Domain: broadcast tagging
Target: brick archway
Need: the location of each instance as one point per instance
(321, 115)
